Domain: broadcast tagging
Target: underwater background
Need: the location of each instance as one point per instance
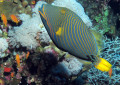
(59, 42)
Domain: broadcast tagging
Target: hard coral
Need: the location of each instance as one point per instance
(14, 7)
(31, 33)
(25, 34)
(69, 67)
(8, 8)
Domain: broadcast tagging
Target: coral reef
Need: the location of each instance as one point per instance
(40, 61)
(114, 4)
(25, 34)
(112, 54)
(103, 18)
(75, 7)
(14, 7)
(69, 67)
(31, 32)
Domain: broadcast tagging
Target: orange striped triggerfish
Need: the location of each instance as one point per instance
(69, 32)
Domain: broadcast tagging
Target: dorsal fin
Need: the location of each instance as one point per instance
(99, 39)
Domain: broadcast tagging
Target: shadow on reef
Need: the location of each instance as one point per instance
(4, 59)
(41, 65)
(115, 6)
(44, 66)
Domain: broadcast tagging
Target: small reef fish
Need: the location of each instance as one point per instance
(69, 33)
(1, 0)
(18, 60)
(14, 18)
(4, 19)
(110, 72)
(27, 55)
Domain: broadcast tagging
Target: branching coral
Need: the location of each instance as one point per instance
(111, 54)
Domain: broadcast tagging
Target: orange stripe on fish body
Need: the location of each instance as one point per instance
(4, 19)
(14, 19)
(18, 60)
